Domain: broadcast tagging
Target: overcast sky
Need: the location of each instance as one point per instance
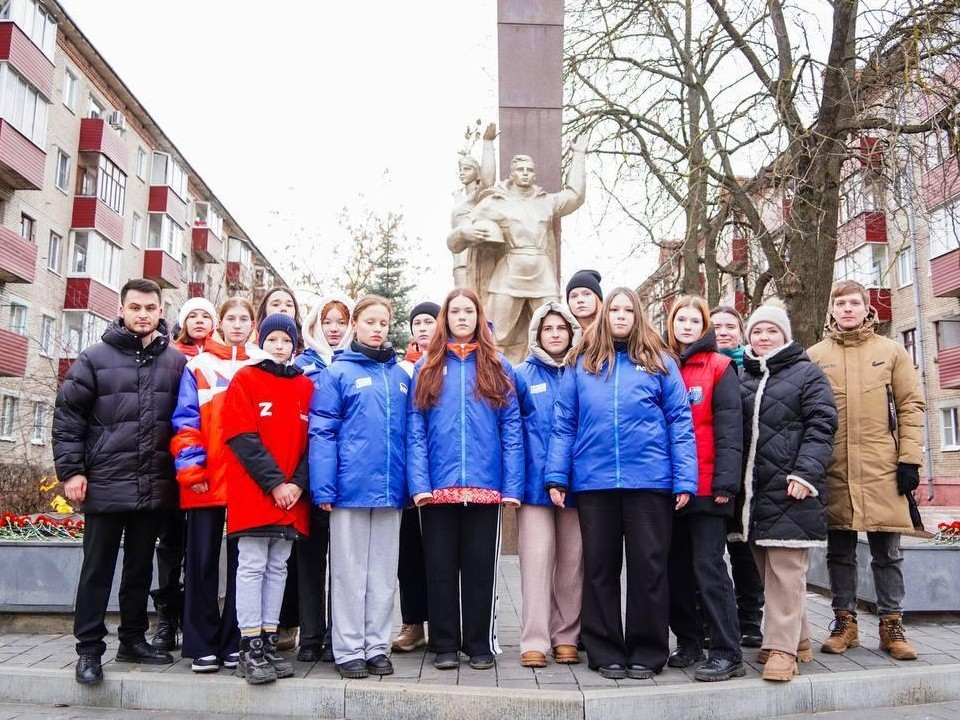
(291, 111)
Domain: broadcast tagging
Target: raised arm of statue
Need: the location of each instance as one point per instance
(575, 189)
(488, 161)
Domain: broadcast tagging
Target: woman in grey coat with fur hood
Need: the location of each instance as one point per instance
(790, 419)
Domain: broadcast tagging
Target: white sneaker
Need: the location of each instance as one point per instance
(206, 664)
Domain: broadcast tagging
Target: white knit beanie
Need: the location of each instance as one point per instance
(772, 311)
(197, 303)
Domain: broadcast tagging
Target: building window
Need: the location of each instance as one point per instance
(18, 318)
(81, 330)
(167, 171)
(8, 416)
(905, 266)
(39, 435)
(47, 325)
(943, 227)
(137, 230)
(164, 234)
(867, 265)
(141, 163)
(62, 178)
(54, 252)
(96, 109)
(111, 185)
(70, 90)
(909, 338)
(27, 226)
(948, 429)
(948, 334)
(92, 255)
(22, 106)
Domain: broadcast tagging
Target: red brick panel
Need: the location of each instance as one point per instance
(207, 246)
(26, 58)
(89, 213)
(161, 268)
(948, 365)
(97, 136)
(945, 274)
(18, 257)
(21, 162)
(88, 294)
(164, 200)
(13, 354)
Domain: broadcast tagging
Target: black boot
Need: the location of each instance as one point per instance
(253, 666)
(167, 636)
(270, 653)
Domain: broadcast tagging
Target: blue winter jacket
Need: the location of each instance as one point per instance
(632, 430)
(310, 362)
(463, 441)
(358, 433)
(537, 386)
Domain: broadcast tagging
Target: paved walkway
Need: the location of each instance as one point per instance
(38, 668)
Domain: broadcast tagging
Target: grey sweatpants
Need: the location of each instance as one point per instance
(261, 577)
(364, 550)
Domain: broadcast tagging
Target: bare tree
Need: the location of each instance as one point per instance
(724, 107)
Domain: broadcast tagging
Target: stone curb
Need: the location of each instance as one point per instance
(735, 700)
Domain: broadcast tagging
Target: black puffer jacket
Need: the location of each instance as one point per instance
(112, 422)
(790, 419)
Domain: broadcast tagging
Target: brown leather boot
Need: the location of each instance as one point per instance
(844, 633)
(780, 666)
(804, 653)
(892, 639)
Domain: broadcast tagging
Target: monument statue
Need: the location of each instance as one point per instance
(514, 221)
(474, 177)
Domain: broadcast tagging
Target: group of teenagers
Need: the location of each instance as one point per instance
(614, 443)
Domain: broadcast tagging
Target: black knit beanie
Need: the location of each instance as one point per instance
(589, 279)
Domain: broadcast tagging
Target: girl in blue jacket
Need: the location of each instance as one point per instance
(358, 432)
(548, 537)
(464, 459)
(622, 428)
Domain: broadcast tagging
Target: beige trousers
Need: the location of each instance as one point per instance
(784, 575)
(551, 576)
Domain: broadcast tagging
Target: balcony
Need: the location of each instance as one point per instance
(161, 268)
(942, 183)
(164, 200)
(868, 227)
(21, 162)
(90, 213)
(196, 289)
(239, 276)
(880, 299)
(97, 136)
(26, 58)
(13, 354)
(18, 258)
(89, 294)
(945, 274)
(206, 245)
(948, 366)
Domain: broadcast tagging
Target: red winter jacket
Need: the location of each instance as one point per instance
(265, 419)
(714, 393)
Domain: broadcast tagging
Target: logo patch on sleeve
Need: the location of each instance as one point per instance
(363, 382)
(403, 388)
(538, 388)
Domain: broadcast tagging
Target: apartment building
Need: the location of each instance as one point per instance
(92, 193)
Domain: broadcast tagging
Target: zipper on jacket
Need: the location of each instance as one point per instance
(463, 428)
(616, 416)
(386, 385)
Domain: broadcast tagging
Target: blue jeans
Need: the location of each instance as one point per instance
(886, 562)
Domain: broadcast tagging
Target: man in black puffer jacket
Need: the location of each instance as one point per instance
(111, 438)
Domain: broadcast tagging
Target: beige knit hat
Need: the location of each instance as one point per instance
(772, 311)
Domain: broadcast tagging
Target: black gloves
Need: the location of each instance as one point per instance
(908, 478)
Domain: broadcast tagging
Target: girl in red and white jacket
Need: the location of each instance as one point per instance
(696, 566)
(265, 426)
(197, 320)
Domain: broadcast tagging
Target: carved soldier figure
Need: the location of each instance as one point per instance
(475, 178)
(524, 277)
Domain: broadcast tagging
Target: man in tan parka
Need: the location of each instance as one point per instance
(876, 462)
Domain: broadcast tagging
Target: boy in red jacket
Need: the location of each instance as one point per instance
(265, 425)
